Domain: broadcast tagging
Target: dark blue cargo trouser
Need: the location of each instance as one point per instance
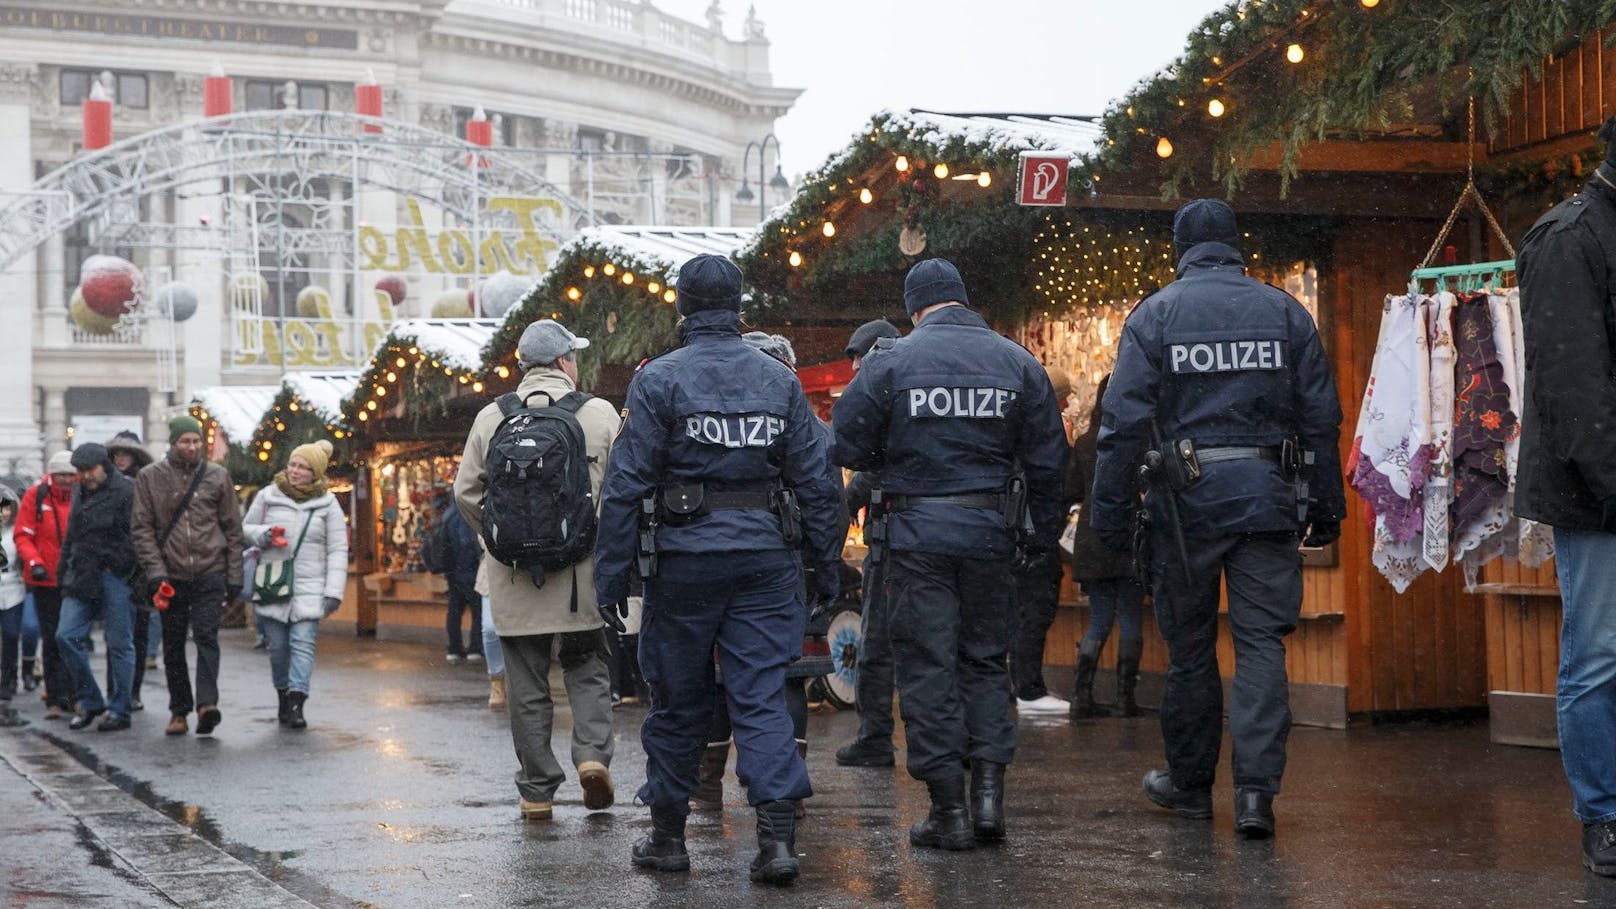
(747, 605)
(1263, 572)
(950, 620)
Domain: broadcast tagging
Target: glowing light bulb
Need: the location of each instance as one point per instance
(866, 196)
(1215, 107)
(1369, 4)
(795, 258)
(1164, 148)
(828, 229)
(941, 171)
(984, 179)
(574, 293)
(1294, 53)
(902, 164)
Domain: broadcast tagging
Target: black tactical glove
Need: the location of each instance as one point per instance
(331, 604)
(819, 614)
(1321, 533)
(39, 574)
(615, 615)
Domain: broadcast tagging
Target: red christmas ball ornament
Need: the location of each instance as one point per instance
(111, 286)
(395, 287)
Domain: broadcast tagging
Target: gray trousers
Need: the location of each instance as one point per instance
(582, 655)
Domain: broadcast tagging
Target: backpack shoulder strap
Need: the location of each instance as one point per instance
(572, 401)
(509, 402)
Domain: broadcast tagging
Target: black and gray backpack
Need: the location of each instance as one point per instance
(539, 508)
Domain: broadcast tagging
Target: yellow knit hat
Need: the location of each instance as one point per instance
(317, 453)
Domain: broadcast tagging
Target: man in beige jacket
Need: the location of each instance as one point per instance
(540, 624)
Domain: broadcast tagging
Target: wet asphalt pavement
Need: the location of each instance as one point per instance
(399, 794)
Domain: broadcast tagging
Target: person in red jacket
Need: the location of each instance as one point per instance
(41, 525)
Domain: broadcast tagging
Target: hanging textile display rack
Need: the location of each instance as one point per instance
(1435, 453)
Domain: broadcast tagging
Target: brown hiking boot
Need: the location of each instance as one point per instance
(176, 725)
(496, 692)
(536, 811)
(597, 783)
(208, 717)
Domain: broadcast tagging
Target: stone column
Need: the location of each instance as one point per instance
(19, 282)
(202, 337)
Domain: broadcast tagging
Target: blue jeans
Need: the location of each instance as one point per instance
(291, 652)
(1112, 600)
(491, 651)
(116, 611)
(154, 636)
(30, 627)
(1585, 562)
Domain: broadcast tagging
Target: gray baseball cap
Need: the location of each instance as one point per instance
(545, 342)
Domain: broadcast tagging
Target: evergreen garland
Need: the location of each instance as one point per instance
(1360, 71)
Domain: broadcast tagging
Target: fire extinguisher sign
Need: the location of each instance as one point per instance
(1042, 178)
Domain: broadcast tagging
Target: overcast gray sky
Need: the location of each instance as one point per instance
(854, 57)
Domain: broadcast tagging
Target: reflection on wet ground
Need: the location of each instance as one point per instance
(400, 794)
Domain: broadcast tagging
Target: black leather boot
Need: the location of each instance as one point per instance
(709, 794)
(776, 861)
(294, 709)
(947, 825)
(283, 713)
(1190, 803)
(1254, 814)
(987, 801)
(1083, 692)
(664, 848)
(1599, 848)
(1127, 678)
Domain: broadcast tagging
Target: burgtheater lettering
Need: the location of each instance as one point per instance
(752, 430)
(412, 248)
(970, 403)
(1226, 356)
(164, 27)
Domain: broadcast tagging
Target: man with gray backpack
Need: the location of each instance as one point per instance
(529, 482)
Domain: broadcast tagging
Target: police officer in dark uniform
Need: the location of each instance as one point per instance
(718, 475)
(872, 695)
(1223, 391)
(963, 426)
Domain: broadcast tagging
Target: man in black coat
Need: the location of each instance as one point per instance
(99, 576)
(1567, 269)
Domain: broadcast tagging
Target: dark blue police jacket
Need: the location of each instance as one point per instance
(722, 413)
(1223, 360)
(955, 408)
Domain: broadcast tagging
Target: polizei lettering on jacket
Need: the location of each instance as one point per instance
(970, 403)
(1226, 356)
(746, 430)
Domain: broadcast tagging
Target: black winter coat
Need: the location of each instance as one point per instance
(1567, 270)
(100, 536)
(1092, 560)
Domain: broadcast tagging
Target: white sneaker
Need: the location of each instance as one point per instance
(454, 658)
(1046, 704)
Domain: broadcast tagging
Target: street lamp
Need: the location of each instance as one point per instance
(778, 181)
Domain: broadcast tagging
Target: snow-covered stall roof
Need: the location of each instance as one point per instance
(669, 246)
(457, 343)
(1044, 132)
(238, 409)
(322, 392)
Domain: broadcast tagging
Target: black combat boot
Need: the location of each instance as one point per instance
(776, 861)
(987, 801)
(283, 713)
(947, 825)
(709, 794)
(1083, 692)
(294, 709)
(1127, 677)
(1254, 814)
(1599, 848)
(664, 848)
(1190, 803)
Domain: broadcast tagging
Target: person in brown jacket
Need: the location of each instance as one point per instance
(187, 524)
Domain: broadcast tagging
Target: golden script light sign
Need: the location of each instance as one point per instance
(456, 251)
(316, 343)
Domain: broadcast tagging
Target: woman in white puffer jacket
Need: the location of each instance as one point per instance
(275, 522)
